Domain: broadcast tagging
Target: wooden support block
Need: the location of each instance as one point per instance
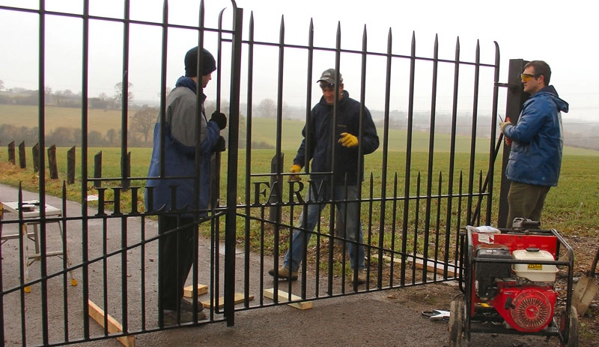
(439, 267)
(387, 258)
(239, 298)
(284, 297)
(113, 325)
(188, 291)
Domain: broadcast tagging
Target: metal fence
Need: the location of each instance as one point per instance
(433, 173)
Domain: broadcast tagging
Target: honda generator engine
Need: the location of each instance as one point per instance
(523, 294)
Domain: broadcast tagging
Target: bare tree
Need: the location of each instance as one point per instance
(1, 85)
(143, 121)
(48, 93)
(267, 108)
(118, 97)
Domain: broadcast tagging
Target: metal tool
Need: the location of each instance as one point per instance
(436, 315)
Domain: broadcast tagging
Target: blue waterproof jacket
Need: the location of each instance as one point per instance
(320, 134)
(173, 192)
(537, 140)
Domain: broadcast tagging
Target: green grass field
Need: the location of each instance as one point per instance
(573, 206)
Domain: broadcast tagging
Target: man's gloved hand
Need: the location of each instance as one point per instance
(220, 119)
(502, 125)
(348, 140)
(221, 145)
(294, 169)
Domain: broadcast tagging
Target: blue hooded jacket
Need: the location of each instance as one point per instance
(173, 192)
(537, 140)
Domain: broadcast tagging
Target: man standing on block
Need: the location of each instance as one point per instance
(175, 191)
(352, 138)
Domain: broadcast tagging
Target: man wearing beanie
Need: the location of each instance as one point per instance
(173, 195)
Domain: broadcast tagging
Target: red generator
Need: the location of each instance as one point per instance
(508, 284)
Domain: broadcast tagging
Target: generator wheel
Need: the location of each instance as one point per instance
(456, 322)
(572, 328)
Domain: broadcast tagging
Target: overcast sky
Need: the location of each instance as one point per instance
(561, 33)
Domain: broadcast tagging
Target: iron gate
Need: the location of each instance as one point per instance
(432, 174)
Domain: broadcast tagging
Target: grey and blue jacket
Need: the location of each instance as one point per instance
(176, 191)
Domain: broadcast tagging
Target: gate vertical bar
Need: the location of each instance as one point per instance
(231, 218)
(124, 162)
(454, 116)
(408, 166)
(492, 151)
(385, 154)
(248, 165)
(431, 148)
(84, 172)
(473, 131)
(42, 174)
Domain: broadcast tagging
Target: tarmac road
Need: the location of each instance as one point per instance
(384, 318)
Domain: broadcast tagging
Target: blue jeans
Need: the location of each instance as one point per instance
(349, 213)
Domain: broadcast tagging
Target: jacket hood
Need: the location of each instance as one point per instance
(562, 105)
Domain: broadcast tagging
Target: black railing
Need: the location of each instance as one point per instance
(428, 178)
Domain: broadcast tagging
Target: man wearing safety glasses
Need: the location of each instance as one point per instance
(537, 140)
(336, 143)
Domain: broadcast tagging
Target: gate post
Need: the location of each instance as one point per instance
(22, 156)
(515, 98)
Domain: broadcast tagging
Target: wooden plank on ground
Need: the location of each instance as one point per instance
(239, 298)
(430, 264)
(284, 297)
(113, 325)
(437, 266)
(188, 291)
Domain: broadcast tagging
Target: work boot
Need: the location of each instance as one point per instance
(283, 273)
(187, 306)
(360, 277)
(172, 317)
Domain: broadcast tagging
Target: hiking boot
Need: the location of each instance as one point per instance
(172, 317)
(187, 306)
(283, 273)
(360, 277)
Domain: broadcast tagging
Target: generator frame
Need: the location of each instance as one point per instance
(469, 314)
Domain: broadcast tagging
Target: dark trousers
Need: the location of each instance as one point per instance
(175, 258)
(525, 201)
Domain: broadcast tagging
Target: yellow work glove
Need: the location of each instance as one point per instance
(348, 140)
(502, 125)
(294, 169)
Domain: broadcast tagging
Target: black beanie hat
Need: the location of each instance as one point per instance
(191, 62)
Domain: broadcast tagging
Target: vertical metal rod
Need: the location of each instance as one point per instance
(248, 165)
(431, 148)
(42, 175)
(125, 95)
(385, 155)
(493, 155)
(406, 207)
(124, 165)
(454, 117)
(473, 129)
(232, 166)
(84, 171)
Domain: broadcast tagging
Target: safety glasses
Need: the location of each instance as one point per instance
(527, 76)
(327, 86)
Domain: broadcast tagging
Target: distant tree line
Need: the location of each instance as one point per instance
(64, 98)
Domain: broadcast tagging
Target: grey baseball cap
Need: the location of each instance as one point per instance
(328, 76)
